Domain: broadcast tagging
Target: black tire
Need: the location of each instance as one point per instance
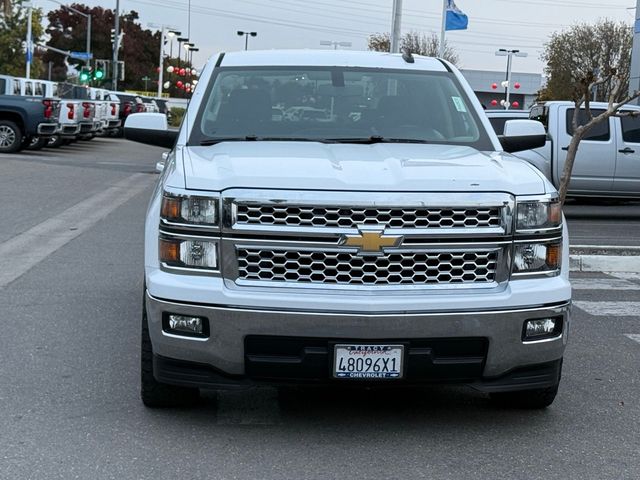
(526, 399)
(10, 137)
(56, 141)
(153, 393)
(36, 143)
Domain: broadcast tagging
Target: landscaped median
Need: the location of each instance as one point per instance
(592, 258)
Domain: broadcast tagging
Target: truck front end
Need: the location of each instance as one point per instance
(379, 244)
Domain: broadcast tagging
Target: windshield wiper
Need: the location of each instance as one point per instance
(375, 139)
(213, 141)
(255, 138)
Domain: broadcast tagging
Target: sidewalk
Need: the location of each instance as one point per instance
(588, 258)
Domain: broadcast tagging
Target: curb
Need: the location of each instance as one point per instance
(591, 258)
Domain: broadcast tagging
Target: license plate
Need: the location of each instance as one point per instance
(368, 361)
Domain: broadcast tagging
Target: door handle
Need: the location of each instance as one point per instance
(565, 148)
(627, 150)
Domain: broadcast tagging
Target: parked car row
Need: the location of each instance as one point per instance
(38, 113)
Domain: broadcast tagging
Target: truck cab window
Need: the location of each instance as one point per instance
(631, 129)
(599, 133)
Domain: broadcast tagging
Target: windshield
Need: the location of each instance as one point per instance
(336, 104)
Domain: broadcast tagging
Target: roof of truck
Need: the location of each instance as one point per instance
(328, 58)
(591, 104)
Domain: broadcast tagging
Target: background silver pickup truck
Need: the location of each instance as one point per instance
(608, 161)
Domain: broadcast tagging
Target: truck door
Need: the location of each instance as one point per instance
(595, 163)
(627, 176)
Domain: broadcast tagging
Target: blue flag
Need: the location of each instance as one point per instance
(456, 20)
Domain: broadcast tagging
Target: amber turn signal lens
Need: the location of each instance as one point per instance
(555, 213)
(169, 250)
(554, 253)
(171, 208)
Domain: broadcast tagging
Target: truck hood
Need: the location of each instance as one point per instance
(377, 167)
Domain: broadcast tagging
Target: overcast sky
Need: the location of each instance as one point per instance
(493, 24)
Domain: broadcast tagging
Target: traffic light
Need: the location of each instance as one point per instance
(85, 75)
(98, 74)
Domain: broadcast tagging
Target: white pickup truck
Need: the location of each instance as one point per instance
(389, 241)
(608, 159)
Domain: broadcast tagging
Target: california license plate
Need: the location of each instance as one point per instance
(368, 361)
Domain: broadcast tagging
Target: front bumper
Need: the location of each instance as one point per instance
(224, 353)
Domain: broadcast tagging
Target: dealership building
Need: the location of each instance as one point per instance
(482, 80)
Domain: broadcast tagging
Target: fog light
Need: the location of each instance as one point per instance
(185, 325)
(542, 328)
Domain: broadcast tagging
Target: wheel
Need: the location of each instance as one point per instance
(153, 393)
(526, 399)
(10, 137)
(56, 141)
(36, 143)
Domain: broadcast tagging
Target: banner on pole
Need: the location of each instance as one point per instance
(456, 19)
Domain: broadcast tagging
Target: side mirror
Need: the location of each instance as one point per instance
(522, 135)
(151, 129)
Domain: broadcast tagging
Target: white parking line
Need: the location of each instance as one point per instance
(633, 336)
(603, 284)
(22, 252)
(610, 309)
(626, 275)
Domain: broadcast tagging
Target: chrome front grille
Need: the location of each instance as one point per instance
(347, 268)
(336, 217)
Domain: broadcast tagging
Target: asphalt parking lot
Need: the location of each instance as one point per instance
(69, 374)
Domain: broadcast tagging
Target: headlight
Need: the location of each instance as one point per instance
(193, 253)
(192, 210)
(538, 215)
(537, 257)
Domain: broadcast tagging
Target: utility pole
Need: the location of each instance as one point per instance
(396, 20)
(509, 54)
(116, 47)
(634, 81)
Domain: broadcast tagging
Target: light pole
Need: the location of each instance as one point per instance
(116, 46)
(181, 40)
(191, 50)
(164, 29)
(335, 44)
(396, 21)
(503, 52)
(29, 41)
(246, 37)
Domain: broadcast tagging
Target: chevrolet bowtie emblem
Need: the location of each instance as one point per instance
(371, 242)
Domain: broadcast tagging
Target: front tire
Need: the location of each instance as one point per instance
(10, 137)
(153, 393)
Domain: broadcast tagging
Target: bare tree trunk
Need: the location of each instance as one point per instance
(568, 163)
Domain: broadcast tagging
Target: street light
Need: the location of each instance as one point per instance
(503, 52)
(335, 44)
(181, 40)
(87, 16)
(191, 50)
(163, 29)
(246, 37)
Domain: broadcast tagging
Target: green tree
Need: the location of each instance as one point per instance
(414, 42)
(13, 32)
(586, 50)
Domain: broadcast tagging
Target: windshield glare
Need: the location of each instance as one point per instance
(337, 103)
